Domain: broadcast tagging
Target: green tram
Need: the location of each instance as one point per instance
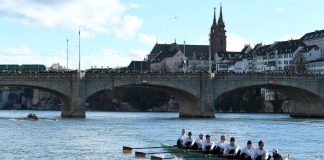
(24, 68)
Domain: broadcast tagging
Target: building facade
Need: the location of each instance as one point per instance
(316, 66)
(315, 38)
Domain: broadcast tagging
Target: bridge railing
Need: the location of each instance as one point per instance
(267, 76)
(145, 75)
(34, 76)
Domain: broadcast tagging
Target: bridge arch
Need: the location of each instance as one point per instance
(306, 101)
(66, 102)
(188, 101)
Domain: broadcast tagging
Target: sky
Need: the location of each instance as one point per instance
(114, 32)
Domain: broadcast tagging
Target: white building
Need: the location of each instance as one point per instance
(279, 56)
(40, 95)
(267, 94)
(197, 58)
(169, 60)
(315, 38)
(316, 66)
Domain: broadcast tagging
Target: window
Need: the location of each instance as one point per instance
(280, 68)
(279, 62)
(286, 56)
(285, 62)
(280, 56)
(290, 61)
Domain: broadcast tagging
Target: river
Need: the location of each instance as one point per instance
(102, 134)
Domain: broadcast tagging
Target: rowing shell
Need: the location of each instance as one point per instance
(181, 153)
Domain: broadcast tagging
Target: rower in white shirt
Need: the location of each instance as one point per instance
(260, 153)
(189, 141)
(182, 137)
(246, 151)
(220, 145)
(231, 150)
(199, 142)
(208, 145)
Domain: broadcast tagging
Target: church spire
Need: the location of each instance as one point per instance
(220, 19)
(214, 20)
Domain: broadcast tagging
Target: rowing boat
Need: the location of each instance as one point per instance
(182, 153)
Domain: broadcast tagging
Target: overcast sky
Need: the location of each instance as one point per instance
(114, 32)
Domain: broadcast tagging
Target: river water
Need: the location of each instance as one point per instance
(102, 134)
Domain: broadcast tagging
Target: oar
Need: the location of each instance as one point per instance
(160, 158)
(129, 149)
(142, 154)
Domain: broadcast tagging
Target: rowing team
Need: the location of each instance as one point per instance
(230, 150)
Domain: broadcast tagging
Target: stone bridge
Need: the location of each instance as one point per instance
(306, 91)
(195, 92)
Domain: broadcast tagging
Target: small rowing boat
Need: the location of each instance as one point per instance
(32, 117)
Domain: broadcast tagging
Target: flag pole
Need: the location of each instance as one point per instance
(67, 54)
(79, 51)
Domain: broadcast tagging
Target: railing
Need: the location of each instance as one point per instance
(268, 76)
(160, 75)
(36, 76)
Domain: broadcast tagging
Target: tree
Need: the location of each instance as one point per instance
(56, 67)
(164, 67)
(300, 63)
(194, 62)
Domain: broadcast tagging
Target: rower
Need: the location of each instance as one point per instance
(199, 142)
(220, 145)
(275, 155)
(182, 137)
(246, 151)
(260, 153)
(232, 150)
(208, 145)
(189, 141)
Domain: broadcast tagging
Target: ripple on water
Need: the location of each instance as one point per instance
(102, 134)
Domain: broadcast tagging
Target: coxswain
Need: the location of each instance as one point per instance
(276, 155)
(246, 151)
(182, 137)
(189, 141)
(231, 150)
(260, 153)
(219, 149)
(208, 145)
(199, 141)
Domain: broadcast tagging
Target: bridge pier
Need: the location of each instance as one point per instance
(308, 108)
(203, 106)
(74, 106)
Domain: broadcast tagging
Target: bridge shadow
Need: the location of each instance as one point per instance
(186, 101)
(42, 93)
(304, 101)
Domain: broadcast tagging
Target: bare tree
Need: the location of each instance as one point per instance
(164, 67)
(300, 63)
(56, 67)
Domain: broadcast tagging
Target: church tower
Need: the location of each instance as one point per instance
(212, 34)
(217, 35)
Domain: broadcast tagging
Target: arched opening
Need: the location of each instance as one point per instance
(301, 101)
(27, 97)
(145, 97)
(132, 99)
